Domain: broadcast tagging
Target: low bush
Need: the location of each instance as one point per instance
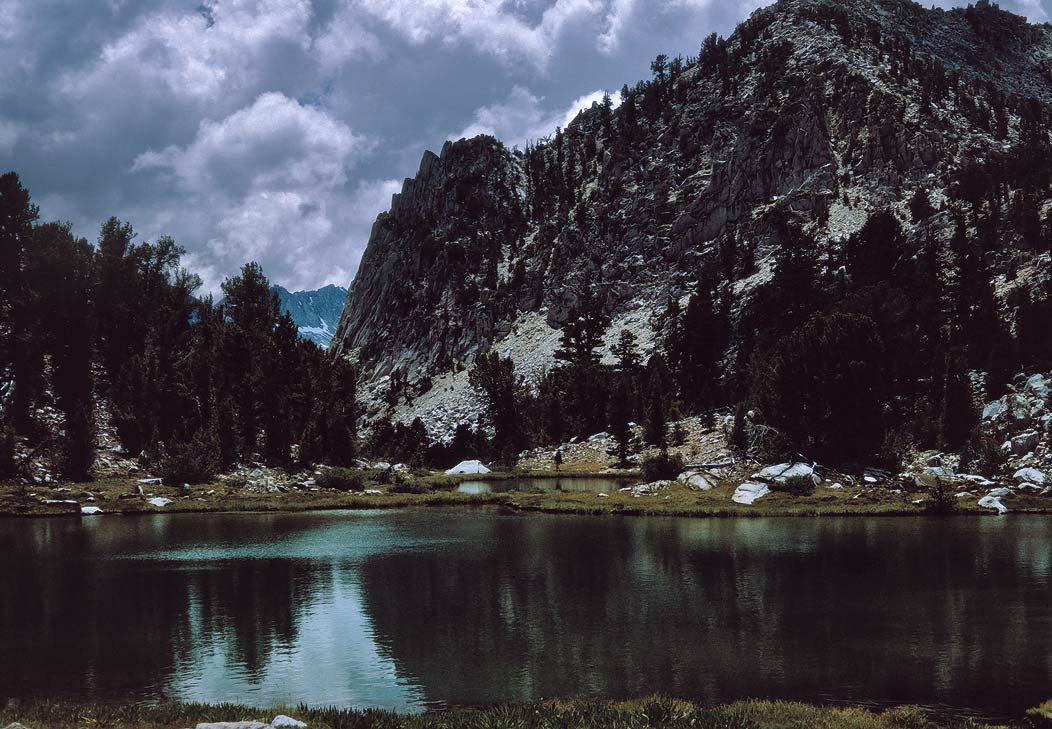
(941, 498)
(662, 467)
(342, 479)
(192, 463)
(409, 486)
(796, 485)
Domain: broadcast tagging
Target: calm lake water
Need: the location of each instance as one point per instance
(410, 610)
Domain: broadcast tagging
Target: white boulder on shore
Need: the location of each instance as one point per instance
(992, 502)
(695, 480)
(782, 472)
(749, 492)
(90, 510)
(467, 467)
(159, 501)
(278, 722)
(281, 721)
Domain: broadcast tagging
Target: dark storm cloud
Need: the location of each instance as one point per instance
(276, 130)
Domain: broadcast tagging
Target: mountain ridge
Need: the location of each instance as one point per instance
(819, 112)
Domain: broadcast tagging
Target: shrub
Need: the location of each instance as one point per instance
(342, 479)
(409, 486)
(941, 499)
(796, 485)
(982, 454)
(194, 462)
(662, 467)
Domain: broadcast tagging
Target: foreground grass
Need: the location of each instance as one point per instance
(641, 714)
(439, 493)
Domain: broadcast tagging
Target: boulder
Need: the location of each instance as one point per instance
(234, 725)
(150, 481)
(90, 510)
(1024, 442)
(467, 467)
(1029, 475)
(281, 720)
(695, 480)
(995, 410)
(1038, 386)
(1001, 493)
(992, 502)
(749, 492)
(598, 436)
(649, 489)
(836, 486)
(16, 725)
(784, 471)
(159, 501)
(1019, 411)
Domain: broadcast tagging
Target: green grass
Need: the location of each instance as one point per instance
(439, 491)
(640, 714)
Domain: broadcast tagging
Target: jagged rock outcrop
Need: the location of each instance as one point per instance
(815, 110)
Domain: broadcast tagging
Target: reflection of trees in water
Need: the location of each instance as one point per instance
(76, 622)
(491, 608)
(846, 609)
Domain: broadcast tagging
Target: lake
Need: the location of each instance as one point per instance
(411, 610)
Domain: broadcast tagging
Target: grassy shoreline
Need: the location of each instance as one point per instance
(677, 500)
(573, 714)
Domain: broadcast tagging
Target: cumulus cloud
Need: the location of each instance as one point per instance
(271, 180)
(492, 27)
(267, 129)
(218, 51)
(522, 117)
(344, 39)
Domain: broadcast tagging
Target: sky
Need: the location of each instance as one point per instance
(276, 130)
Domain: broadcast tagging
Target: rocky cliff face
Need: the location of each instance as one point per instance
(817, 110)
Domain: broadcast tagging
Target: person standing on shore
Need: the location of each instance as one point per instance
(558, 459)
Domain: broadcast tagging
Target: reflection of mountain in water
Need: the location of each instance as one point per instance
(403, 609)
(836, 609)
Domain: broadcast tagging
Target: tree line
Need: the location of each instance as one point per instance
(117, 331)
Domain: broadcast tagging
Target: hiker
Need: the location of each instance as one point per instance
(558, 460)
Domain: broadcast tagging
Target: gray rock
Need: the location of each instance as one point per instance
(1001, 493)
(1029, 475)
(1038, 386)
(233, 725)
(280, 721)
(995, 411)
(782, 472)
(992, 502)
(1025, 442)
(749, 492)
(16, 725)
(695, 480)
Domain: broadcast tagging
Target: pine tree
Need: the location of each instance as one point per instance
(17, 215)
(626, 353)
(583, 332)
